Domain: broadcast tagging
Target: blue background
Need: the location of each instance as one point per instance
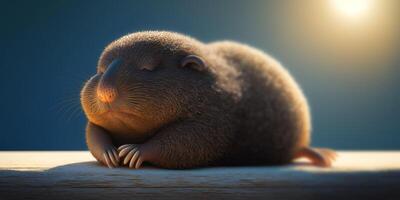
(349, 70)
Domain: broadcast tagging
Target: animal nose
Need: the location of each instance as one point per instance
(106, 94)
(106, 90)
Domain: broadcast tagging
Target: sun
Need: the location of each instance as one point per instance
(352, 8)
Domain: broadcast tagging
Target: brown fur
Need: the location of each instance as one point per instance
(240, 108)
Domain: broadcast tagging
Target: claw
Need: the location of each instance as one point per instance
(123, 146)
(124, 151)
(111, 156)
(129, 156)
(139, 163)
(133, 160)
(115, 155)
(107, 160)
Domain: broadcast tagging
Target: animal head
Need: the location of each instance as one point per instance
(143, 81)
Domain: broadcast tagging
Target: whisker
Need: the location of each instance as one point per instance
(74, 114)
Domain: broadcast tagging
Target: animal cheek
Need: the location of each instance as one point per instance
(88, 95)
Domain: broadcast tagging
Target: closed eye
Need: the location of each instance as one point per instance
(147, 67)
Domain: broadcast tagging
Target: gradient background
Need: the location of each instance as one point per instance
(349, 69)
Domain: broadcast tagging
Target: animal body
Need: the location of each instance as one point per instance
(174, 102)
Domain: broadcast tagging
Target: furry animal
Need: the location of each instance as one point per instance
(172, 101)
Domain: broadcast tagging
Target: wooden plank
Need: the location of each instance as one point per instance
(67, 175)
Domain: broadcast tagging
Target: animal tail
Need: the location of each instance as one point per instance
(318, 156)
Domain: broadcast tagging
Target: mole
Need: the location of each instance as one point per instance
(166, 99)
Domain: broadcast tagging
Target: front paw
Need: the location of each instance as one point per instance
(132, 154)
(110, 157)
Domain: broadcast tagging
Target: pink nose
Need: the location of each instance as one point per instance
(106, 94)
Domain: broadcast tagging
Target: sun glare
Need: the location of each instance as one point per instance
(352, 8)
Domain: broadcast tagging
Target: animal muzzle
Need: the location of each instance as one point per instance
(107, 91)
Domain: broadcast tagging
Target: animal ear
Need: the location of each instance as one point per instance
(194, 62)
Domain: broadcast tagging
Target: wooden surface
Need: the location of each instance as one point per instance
(75, 175)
